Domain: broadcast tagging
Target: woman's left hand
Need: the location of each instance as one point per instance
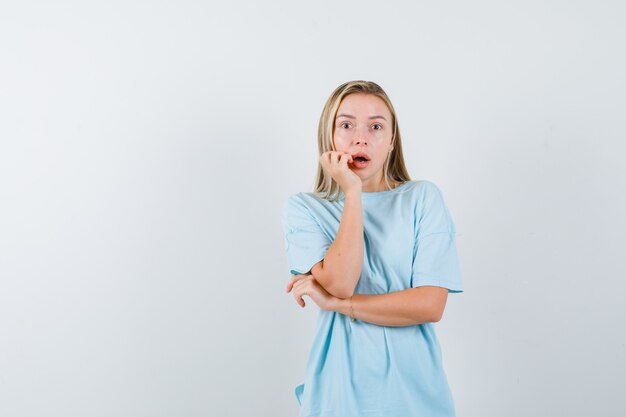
(307, 285)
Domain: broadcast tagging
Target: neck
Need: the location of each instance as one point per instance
(377, 186)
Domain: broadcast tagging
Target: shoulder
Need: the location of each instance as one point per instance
(428, 197)
(299, 200)
(424, 189)
(293, 202)
(427, 185)
(301, 203)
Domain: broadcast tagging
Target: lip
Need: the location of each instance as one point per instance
(363, 154)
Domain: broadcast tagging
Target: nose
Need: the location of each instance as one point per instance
(360, 137)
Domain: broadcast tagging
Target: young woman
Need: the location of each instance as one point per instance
(376, 252)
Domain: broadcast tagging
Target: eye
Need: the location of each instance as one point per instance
(379, 125)
(344, 123)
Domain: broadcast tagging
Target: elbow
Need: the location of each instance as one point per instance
(435, 300)
(340, 292)
(337, 289)
(333, 286)
(433, 311)
(436, 315)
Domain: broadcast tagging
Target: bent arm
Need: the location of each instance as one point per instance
(400, 308)
(340, 269)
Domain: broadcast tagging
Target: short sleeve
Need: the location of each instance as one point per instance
(435, 258)
(305, 241)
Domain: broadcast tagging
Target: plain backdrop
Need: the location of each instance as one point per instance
(146, 149)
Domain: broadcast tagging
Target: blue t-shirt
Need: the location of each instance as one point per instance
(360, 368)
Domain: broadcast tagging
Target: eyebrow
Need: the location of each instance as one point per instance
(352, 117)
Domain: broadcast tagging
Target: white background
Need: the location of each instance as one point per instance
(146, 149)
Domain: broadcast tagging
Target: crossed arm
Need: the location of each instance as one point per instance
(332, 281)
(400, 308)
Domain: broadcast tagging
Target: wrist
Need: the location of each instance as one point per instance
(353, 192)
(340, 305)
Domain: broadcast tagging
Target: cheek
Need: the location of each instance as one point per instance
(381, 157)
(339, 133)
(341, 140)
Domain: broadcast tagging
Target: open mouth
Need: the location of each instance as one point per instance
(360, 157)
(360, 160)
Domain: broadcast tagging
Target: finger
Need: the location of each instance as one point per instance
(345, 158)
(298, 284)
(294, 279)
(297, 295)
(325, 158)
(333, 158)
(304, 288)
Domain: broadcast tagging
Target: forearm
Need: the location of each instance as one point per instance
(343, 261)
(401, 308)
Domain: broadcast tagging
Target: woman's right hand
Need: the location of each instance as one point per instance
(335, 164)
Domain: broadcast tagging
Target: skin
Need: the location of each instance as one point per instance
(363, 123)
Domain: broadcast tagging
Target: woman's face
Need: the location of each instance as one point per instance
(363, 124)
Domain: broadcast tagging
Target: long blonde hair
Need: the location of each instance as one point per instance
(394, 168)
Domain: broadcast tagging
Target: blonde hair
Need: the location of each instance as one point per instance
(394, 168)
